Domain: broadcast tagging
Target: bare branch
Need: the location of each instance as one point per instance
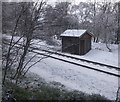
(28, 61)
(34, 64)
(9, 49)
(118, 95)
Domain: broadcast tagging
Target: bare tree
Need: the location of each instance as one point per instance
(118, 22)
(26, 23)
(118, 95)
(58, 19)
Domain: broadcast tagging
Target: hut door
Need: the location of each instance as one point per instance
(82, 44)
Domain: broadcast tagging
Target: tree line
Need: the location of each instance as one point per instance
(30, 20)
(100, 18)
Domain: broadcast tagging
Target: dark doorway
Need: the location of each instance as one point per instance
(82, 44)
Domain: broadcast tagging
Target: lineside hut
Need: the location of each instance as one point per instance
(76, 41)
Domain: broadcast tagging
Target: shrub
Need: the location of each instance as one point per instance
(48, 92)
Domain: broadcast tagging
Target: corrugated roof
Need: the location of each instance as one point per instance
(73, 32)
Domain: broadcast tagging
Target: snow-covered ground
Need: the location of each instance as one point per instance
(98, 53)
(79, 78)
(103, 68)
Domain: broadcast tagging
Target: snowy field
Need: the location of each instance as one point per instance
(98, 53)
(79, 78)
(76, 77)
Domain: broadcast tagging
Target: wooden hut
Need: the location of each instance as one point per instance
(76, 41)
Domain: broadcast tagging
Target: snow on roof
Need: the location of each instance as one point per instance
(73, 32)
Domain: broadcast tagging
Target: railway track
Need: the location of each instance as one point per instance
(85, 66)
(36, 50)
(84, 60)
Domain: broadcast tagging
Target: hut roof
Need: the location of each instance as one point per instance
(74, 33)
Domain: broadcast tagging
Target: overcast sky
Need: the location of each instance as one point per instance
(53, 1)
(78, 1)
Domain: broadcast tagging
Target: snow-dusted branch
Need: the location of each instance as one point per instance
(28, 62)
(10, 47)
(34, 64)
(118, 95)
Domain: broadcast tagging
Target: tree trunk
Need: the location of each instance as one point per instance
(108, 47)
